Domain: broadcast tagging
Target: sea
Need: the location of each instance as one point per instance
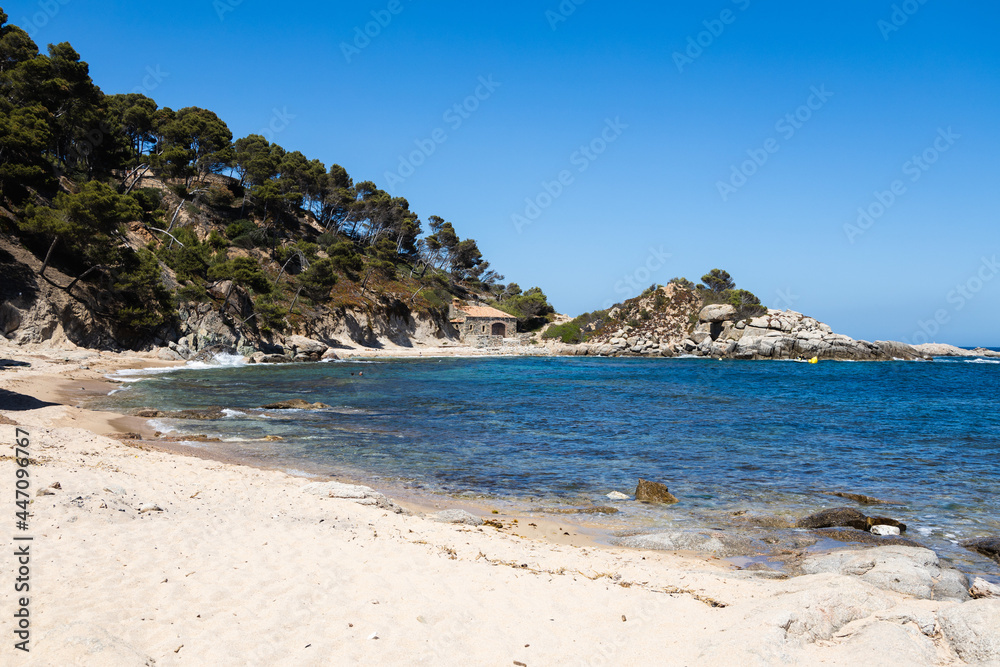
(524, 434)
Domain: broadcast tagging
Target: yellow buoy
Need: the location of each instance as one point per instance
(814, 360)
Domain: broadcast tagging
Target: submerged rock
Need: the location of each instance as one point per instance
(987, 546)
(295, 404)
(653, 492)
(714, 542)
(907, 570)
(861, 536)
(863, 499)
(595, 509)
(838, 517)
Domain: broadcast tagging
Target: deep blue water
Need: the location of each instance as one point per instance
(773, 437)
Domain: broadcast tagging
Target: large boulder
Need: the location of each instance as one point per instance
(719, 312)
(972, 630)
(653, 492)
(907, 570)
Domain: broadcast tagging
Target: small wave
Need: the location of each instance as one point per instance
(982, 361)
(222, 359)
(233, 414)
(925, 530)
(160, 426)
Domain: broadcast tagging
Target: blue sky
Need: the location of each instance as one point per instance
(668, 126)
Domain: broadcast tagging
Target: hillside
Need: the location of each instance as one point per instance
(126, 225)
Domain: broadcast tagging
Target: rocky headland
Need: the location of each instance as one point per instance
(671, 321)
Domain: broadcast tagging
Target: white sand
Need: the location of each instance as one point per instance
(243, 567)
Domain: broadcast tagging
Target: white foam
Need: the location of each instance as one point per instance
(233, 414)
(157, 425)
(925, 530)
(982, 361)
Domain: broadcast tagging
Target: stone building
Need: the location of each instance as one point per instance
(481, 321)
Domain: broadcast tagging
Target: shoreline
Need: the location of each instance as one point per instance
(542, 518)
(238, 563)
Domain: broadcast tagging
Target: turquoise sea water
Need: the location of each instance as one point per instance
(770, 437)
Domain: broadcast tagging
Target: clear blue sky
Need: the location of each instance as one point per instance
(917, 82)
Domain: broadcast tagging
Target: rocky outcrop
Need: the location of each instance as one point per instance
(971, 629)
(672, 321)
(911, 571)
(943, 350)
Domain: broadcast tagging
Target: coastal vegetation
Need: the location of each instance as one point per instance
(141, 213)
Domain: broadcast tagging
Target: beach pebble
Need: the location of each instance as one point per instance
(116, 490)
(618, 495)
(458, 516)
(984, 589)
(149, 507)
(885, 530)
(45, 492)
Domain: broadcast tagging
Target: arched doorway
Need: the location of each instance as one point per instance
(500, 330)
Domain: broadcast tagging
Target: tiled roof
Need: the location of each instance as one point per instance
(485, 311)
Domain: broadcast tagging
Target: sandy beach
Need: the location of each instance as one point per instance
(143, 557)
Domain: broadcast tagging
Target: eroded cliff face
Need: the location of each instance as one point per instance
(33, 310)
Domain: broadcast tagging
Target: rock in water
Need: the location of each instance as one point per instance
(987, 546)
(617, 495)
(863, 499)
(885, 521)
(653, 492)
(884, 530)
(295, 404)
(838, 517)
